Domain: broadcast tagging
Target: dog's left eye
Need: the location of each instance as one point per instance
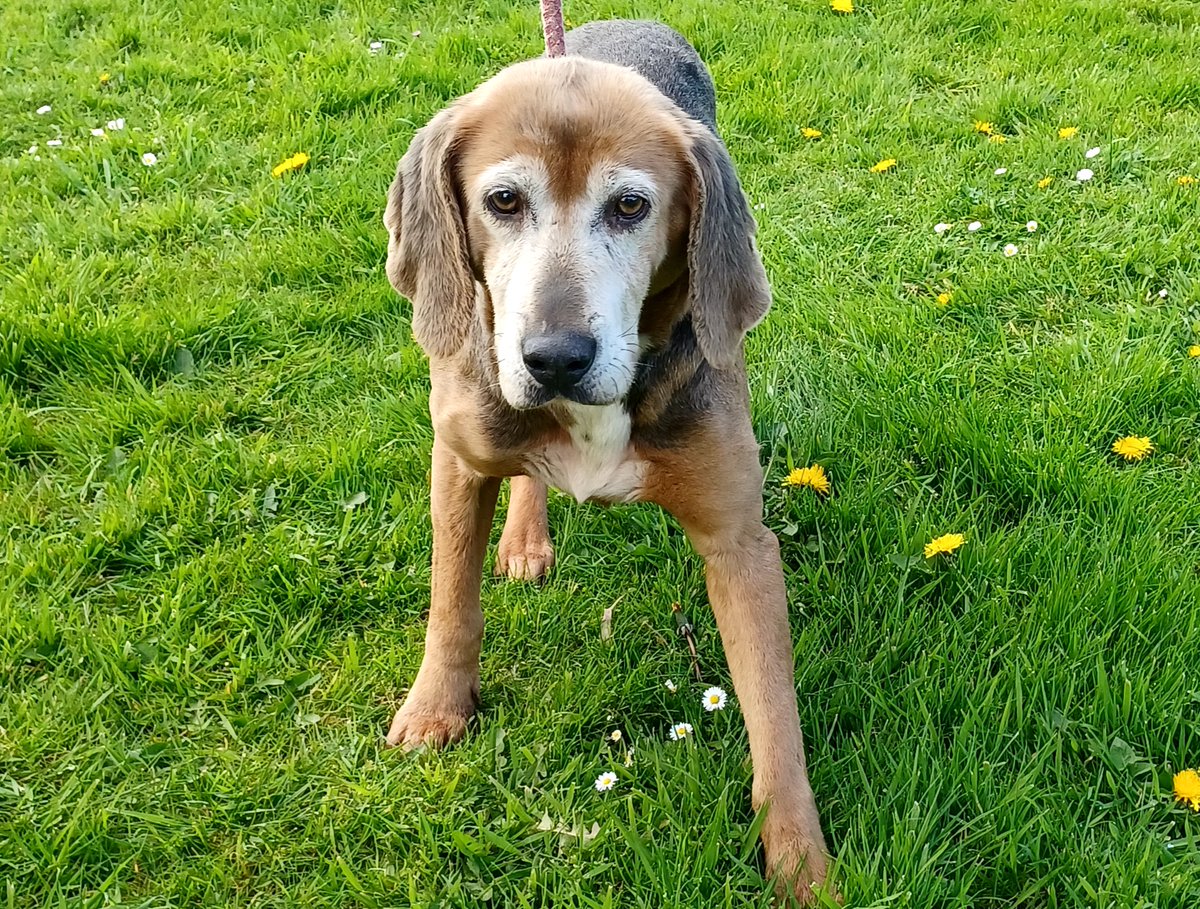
(630, 207)
(504, 202)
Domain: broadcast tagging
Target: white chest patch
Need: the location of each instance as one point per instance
(597, 462)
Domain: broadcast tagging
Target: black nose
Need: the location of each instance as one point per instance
(558, 360)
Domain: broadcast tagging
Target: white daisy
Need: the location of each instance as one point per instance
(1091, 153)
(1084, 175)
(1000, 171)
(1162, 294)
(606, 781)
(117, 125)
(669, 685)
(417, 33)
(33, 149)
(1010, 250)
(941, 228)
(98, 132)
(1031, 226)
(149, 159)
(680, 731)
(375, 46)
(714, 699)
(974, 226)
(53, 143)
(615, 735)
(43, 110)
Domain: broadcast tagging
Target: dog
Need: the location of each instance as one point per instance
(581, 262)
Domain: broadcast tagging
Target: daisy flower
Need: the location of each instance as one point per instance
(1000, 171)
(117, 125)
(1194, 351)
(1162, 294)
(669, 685)
(1187, 788)
(1010, 250)
(714, 699)
(53, 143)
(98, 132)
(43, 110)
(809, 133)
(1067, 132)
(1031, 226)
(1044, 182)
(1084, 175)
(149, 159)
(982, 126)
(1185, 180)
(943, 299)
(842, 6)
(1133, 448)
(615, 735)
(946, 543)
(974, 226)
(606, 781)
(1091, 152)
(941, 228)
(295, 162)
(680, 731)
(813, 477)
(883, 166)
(375, 46)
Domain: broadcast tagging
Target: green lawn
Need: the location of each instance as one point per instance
(214, 449)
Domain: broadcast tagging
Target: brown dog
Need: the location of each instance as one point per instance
(581, 262)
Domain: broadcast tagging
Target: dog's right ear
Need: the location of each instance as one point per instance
(427, 242)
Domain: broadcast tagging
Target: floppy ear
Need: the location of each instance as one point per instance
(727, 283)
(427, 243)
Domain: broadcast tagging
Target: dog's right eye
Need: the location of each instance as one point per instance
(504, 202)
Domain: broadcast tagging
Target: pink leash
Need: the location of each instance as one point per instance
(553, 29)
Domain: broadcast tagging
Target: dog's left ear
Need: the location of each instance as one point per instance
(427, 243)
(727, 283)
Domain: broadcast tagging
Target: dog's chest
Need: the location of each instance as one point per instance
(596, 461)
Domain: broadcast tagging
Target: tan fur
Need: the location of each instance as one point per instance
(691, 449)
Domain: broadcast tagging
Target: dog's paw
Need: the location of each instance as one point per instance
(523, 557)
(798, 864)
(418, 727)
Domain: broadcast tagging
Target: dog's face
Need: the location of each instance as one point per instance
(570, 192)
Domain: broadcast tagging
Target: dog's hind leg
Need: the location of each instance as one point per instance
(525, 552)
(446, 690)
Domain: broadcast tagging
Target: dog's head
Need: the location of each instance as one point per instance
(576, 195)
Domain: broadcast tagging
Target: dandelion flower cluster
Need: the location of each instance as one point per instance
(714, 699)
(944, 544)
(997, 138)
(842, 6)
(809, 133)
(1185, 180)
(295, 162)
(681, 731)
(606, 781)
(1044, 182)
(1194, 351)
(983, 126)
(1133, 448)
(1187, 788)
(1067, 132)
(105, 78)
(884, 166)
(944, 298)
(813, 477)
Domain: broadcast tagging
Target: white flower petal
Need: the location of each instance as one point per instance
(1031, 226)
(1162, 294)
(1000, 171)
(713, 699)
(941, 228)
(669, 685)
(117, 125)
(1091, 152)
(43, 110)
(974, 226)
(98, 132)
(606, 781)
(1011, 250)
(149, 159)
(1084, 175)
(33, 149)
(680, 731)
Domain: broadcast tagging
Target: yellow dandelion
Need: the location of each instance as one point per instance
(295, 162)
(104, 78)
(1067, 132)
(1185, 180)
(997, 138)
(1133, 448)
(943, 299)
(983, 126)
(1044, 182)
(809, 133)
(946, 543)
(1194, 351)
(813, 477)
(842, 6)
(883, 166)
(1187, 788)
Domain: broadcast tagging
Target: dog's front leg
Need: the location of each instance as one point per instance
(749, 599)
(446, 690)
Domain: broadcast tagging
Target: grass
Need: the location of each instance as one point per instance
(214, 451)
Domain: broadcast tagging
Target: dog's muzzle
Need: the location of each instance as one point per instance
(558, 361)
